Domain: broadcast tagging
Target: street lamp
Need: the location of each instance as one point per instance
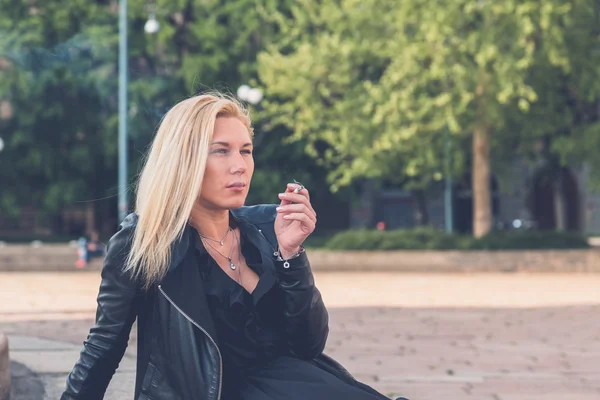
(448, 207)
(252, 96)
(152, 26)
(249, 94)
(123, 207)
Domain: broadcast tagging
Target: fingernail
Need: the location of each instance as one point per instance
(281, 194)
(279, 208)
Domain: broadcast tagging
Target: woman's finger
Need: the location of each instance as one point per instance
(306, 221)
(291, 197)
(298, 208)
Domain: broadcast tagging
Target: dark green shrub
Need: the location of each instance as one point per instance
(432, 239)
(529, 240)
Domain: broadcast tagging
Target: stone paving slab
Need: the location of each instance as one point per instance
(52, 360)
(498, 337)
(121, 387)
(46, 362)
(32, 343)
(401, 361)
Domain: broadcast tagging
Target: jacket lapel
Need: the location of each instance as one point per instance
(257, 239)
(183, 285)
(183, 282)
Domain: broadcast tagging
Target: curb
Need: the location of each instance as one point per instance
(4, 368)
(60, 258)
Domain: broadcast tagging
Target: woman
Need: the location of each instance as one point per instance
(224, 295)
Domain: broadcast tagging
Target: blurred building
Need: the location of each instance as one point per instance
(523, 198)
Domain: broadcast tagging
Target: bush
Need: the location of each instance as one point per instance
(432, 239)
(414, 239)
(315, 242)
(530, 240)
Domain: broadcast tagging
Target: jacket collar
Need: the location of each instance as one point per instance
(246, 218)
(184, 285)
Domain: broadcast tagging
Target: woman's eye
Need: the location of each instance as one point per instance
(247, 151)
(221, 151)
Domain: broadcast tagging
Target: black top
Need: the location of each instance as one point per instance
(257, 364)
(250, 327)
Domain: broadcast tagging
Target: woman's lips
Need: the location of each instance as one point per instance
(237, 187)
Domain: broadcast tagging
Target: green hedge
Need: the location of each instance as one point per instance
(432, 239)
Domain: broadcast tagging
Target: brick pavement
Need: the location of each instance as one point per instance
(500, 337)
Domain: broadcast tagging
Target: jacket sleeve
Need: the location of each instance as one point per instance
(118, 300)
(307, 320)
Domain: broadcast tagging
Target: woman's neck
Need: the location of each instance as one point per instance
(210, 223)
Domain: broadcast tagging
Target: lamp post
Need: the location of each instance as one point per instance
(152, 26)
(448, 211)
(252, 96)
(123, 206)
(249, 94)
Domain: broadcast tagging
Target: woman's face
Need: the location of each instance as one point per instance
(229, 167)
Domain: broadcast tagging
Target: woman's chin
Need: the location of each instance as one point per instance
(236, 203)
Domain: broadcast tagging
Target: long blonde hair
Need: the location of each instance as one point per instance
(171, 180)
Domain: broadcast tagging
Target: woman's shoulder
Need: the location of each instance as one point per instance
(129, 222)
(121, 240)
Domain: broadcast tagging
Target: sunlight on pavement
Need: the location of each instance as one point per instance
(458, 290)
(72, 295)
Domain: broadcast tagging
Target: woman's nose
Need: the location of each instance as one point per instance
(238, 164)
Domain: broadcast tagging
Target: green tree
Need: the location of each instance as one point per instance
(58, 76)
(380, 81)
(55, 79)
(216, 46)
(562, 128)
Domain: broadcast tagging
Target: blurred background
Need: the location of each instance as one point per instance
(464, 134)
(464, 116)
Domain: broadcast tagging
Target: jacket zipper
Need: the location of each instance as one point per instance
(204, 331)
(275, 251)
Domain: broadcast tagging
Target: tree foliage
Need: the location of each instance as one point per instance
(381, 82)
(56, 80)
(59, 78)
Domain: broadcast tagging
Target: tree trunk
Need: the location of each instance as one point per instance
(482, 199)
(559, 203)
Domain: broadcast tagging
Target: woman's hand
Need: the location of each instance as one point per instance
(296, 220)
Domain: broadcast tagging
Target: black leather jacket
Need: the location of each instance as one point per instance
(178, 353)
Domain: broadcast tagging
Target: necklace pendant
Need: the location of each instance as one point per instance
(231, 264)
(221, 242)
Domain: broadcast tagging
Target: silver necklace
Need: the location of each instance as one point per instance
(239, 247)
(229, 258)
(222, 241)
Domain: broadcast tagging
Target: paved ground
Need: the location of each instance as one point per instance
(423, 336)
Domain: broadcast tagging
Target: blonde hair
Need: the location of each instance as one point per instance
(171, 180)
